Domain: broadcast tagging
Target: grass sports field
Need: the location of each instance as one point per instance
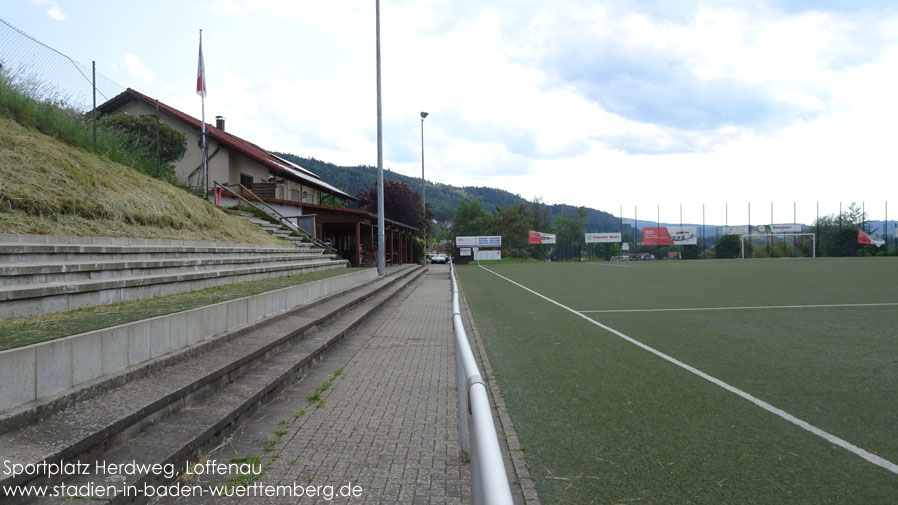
(713, 382)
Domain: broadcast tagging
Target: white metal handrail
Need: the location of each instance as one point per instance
(489, 482)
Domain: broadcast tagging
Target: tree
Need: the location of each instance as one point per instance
(512, 224)
(728, 246)
(148, 138)
(400, 204)
(470, 220)
(571, 233)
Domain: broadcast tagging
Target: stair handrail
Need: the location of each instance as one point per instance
(271, 212)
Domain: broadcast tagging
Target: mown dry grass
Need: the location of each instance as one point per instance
(49, 188)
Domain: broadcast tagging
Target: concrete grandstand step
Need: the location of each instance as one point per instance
(41, 273)
(24, 300)
(55, 253)
(174, 411)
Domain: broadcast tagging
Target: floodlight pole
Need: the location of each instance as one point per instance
(381, 235)
(423, 186)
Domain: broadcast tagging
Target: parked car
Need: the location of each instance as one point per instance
(439, 258)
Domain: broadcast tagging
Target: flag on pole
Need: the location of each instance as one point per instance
(866, 238)
(201, 72)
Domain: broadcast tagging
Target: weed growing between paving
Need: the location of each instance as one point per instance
(606, 422)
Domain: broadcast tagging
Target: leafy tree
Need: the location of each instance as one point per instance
(148, 137)
(400, 204)
(512, 223)
(470, 219)
(727, 247)
(571, 233)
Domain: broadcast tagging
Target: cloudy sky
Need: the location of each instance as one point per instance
(608, 104)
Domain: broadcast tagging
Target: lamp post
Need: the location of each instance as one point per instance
(381, 236)
(423, 186)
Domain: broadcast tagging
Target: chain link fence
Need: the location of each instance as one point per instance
(46, 74)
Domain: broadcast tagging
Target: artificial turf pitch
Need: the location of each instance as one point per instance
(604, 421)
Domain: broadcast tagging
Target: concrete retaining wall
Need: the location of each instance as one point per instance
(40, 370)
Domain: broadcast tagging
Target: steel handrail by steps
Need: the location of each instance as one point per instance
(271, 212)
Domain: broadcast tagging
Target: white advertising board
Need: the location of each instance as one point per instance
(735, 230)
(489, 254)
(593, 238)
(464, 251)
(484, 241)
(779, 228)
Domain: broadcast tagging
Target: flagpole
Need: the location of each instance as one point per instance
(203, 121)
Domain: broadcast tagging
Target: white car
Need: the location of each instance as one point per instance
(439, 258)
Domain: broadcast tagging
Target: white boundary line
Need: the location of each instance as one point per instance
(762, 307)
(870, 457)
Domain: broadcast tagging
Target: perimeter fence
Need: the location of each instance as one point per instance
(776, 229)
(46, 74)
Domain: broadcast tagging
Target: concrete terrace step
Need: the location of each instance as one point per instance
(53, 253)
(24, 300)
(41, 273)
(175, 411)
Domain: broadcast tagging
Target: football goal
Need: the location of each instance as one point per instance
(779, 245)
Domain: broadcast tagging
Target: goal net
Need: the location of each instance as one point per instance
(779, 245)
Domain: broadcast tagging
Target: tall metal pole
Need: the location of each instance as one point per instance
(203, 134)
(381, 250)
(94, 67)
(423, 185)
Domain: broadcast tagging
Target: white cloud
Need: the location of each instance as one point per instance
(53, 9)
(137, 68)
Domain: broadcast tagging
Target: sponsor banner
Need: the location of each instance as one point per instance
(464, 251)
(485, 241)
(541, 238)
(735, 230)
(594, 238)
(669, 235)
(779, 228)
(866, 238)
(489, 254)
(625, 246)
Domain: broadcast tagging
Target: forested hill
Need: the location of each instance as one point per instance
(443, 198)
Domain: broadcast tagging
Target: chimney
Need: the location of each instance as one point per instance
(219, 122)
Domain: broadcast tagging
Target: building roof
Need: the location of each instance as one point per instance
(274, 163)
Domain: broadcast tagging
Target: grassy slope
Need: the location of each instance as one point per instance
(620, 425)
(49, 188)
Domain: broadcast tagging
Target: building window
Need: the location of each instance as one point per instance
(294, 195)
(246, 181)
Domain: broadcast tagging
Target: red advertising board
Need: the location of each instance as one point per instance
(656, 236)
(536, 237)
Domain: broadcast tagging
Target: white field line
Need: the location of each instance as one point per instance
(870, 457)
(610, 265)
(762, 307)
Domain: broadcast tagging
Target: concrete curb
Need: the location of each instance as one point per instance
(45, 369)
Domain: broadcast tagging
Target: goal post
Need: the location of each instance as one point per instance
(777, 245)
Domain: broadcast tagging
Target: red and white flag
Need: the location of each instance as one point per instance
(201, 73)
(866, 238)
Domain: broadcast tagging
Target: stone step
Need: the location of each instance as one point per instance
(17, 274)
(26, 300)
(58, 253)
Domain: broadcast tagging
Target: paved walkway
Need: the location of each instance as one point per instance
(388, 421)
(389, 424)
